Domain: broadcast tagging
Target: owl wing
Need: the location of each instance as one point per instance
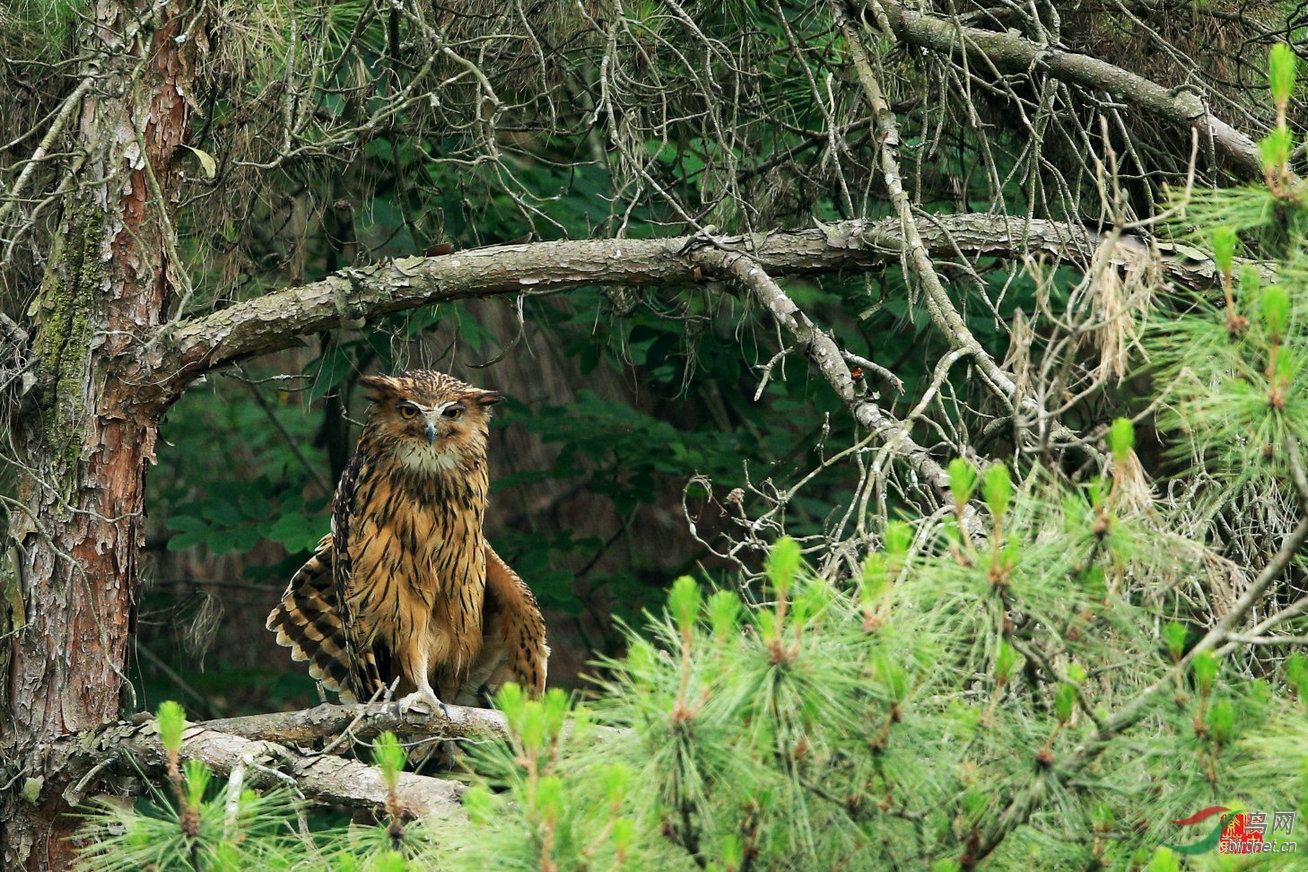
(513, 636)
(308, 621)
(364, 678)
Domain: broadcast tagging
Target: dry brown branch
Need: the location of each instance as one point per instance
(319, 777)
(1012, 53)
(182, 351)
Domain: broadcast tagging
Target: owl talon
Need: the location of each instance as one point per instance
(426, 703)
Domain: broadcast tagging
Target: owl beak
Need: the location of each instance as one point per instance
(431, 433)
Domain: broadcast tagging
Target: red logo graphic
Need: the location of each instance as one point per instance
(1246, 832)
(1239, 832)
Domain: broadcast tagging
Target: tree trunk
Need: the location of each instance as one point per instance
(83, 438)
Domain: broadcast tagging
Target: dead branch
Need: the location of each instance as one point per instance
(322, 778)
(186, 349)
(273, 749)
(312, 726)
(1009, 52)
(826, 354)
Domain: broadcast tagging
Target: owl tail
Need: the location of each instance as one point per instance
(308, 622)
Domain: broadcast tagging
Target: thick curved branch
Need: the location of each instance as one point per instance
(184, 350)
(1011, 53)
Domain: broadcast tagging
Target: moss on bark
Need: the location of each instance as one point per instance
(66, 310)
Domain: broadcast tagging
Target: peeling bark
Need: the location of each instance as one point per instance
(266, 764)
(82, 450)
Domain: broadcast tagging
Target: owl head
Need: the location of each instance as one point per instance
(434, 421)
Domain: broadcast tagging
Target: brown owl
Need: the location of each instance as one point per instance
(406, 587)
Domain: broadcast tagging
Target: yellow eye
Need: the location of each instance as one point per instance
(454, 413)
(407, 412)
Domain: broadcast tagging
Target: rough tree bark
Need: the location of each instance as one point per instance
(81, 442)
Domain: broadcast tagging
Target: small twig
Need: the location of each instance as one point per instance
(292, 444)
(1267, 640)
(887, 375)
(204, 702)
(767, 370)
(71, 102)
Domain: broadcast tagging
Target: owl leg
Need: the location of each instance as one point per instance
(424, 698)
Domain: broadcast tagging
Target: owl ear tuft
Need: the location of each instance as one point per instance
(487, 398)
(378, 387)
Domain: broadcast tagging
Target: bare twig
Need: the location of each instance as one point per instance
(1009, 51)
(830, 360)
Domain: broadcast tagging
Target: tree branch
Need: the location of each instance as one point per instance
(273, 748)
(312, 726)
(917, 260)
(184, 350)
(323, 777)
(84, 765)
(830, 360)
(1010, 53)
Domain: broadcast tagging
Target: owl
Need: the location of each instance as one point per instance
(405, 590)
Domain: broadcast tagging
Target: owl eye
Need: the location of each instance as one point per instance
(454, 413)
(407, 412)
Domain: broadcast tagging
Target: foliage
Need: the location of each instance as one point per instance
(891, 720)
(634, 120)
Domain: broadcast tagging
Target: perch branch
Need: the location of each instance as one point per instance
(326, 721)
(323, 778)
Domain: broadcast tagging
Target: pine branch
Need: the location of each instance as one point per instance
(1025, 801)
